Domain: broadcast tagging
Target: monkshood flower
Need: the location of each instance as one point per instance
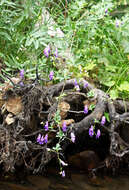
(77, 88)
(22, 73)
(73, 137)
(46, 126)
(46, 138)
(75, 82)
(85, 84)
(117, 23)
(64, 127)
(56, 53)
(86, 109)
(47, 51)
(103, 120)
(63, 173)
(106, 10)
(21, 84)
(98, 134)
(39, 138)
(51, 75)
(91, 131)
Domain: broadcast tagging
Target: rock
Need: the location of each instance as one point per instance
(84, 160)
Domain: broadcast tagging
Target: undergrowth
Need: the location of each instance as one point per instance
(96, 33)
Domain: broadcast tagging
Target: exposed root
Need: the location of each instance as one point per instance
(40, 104)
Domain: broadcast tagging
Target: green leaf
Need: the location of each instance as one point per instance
(90, 94)
(90, 66)
(106, 114)
(36, 44)
(113, 94)
(124, 86)
(29, 41)
(92, 107)
(60, 134)
(109, 83)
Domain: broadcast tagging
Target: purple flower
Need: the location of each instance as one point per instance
(51, 75)
(86, 109)
(77, 88)
(46, 138)
(117, 23)
(91, 131)
(73, 137)
(22, 73)
(39, 138)
(46, 126)
(64, 127)
(56, 53)
(98, 134)
(103, 120)
(63, 173)
(75, 82)
(85, 85)
(106, 10)
(47, 51)
(21, 84)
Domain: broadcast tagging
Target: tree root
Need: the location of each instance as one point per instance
(40, 104)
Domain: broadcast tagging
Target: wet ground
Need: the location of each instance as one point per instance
(72, 181)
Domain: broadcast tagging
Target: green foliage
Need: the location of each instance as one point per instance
(23, 37)
(100, 48)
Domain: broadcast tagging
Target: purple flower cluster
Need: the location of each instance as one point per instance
(86, 109)
(91, 132)
(47, 51)
(51, 75)
(64, 127)
(103, 120)
(22, 73)
(42, 139)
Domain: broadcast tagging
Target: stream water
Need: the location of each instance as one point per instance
(72, 181)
